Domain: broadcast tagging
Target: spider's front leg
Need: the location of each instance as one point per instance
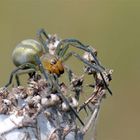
(63, 47)
(97, 68)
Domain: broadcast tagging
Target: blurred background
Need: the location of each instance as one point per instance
(113, 27)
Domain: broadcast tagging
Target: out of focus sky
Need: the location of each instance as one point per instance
(113, 27)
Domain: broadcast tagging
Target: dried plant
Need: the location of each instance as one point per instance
(49, 109)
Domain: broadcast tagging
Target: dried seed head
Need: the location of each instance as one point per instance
(65, 107)
(107, 74)
(77, 81)
(47, 114)
(37, 98)
(50, 100)
(44, 101)
(52, 45)
(20, 112)
(89, 70)
(30, 91)
(33, 84)
(74, 102)
(7, 102)
(23, 95)
(37, 86)
(42, 83)
(4, 92)
(55, 99)
(5, 106)
(64, 88)
(20, 91)
(4, 109)
(89, 57)
(33, 102)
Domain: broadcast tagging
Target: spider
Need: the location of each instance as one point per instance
(24, 57)
(52, 57)
(30, 56)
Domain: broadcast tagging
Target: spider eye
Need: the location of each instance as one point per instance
(53, 61)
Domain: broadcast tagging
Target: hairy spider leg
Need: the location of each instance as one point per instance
(68, 42)
(17, 79)
(97, 68)
(74, 43)
(44, 72)
(66, 101)
(25, 68)
(40, 34)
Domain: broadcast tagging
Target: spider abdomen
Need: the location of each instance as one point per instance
(25, 52)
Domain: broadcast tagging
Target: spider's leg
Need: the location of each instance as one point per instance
(97, 68)
(67, 102)
(94, 66)
(31, 72)
(106, 84)
(75, 43)
(17, 79)
(21, 70)
(62, 49)
(69, 72)
(11, 77)
(44, 72)
(41, 34)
